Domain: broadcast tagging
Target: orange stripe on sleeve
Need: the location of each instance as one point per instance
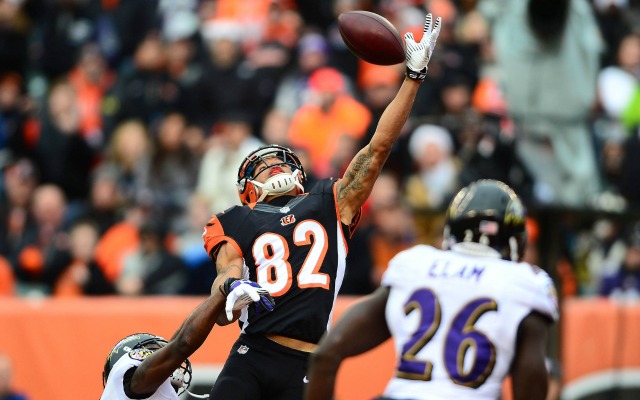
(214, 236)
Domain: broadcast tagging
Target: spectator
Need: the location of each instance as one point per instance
(16, 117)
(18, 228)
(146, 91)
(188, 246)
(275, 128)
(551, 110)
(232, 140)
(120, 240)
(80, 273)
(172, 171)
(488, 151)
(228, 83)
(392, 223)
(151, 269)
(62, 29)
(430, 188)
(91, 78)
(312, 53)
(6, 391)
(619, 84)
(598, 253)
(14, 35)
(456, 106)
(183, 50)
(36, 266)
(615, 23)
(436, 178)
(328, 123)
(64, 154)
(105, 201)
(128, 156)
(625, 282)
(630, 170)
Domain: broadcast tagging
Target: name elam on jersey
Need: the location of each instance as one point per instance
(427, 264)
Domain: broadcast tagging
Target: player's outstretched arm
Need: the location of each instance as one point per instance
(360, 329)
(156, 368)
(356, 184)
(528, 372)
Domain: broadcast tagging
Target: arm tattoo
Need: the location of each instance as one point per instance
(359, 170)
(223, 270)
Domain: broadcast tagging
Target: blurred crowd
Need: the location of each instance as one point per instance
(123, 123)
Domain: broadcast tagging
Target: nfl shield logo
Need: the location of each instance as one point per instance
(285, 209)
(243, 349)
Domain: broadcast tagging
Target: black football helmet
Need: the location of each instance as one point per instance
(246, 184)
(487, 212)
(181, 377)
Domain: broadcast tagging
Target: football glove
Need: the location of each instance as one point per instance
(419, 54)
(240, 293)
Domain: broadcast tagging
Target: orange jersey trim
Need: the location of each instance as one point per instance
(214, 237)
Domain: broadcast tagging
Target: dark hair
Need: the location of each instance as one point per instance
(547, 19)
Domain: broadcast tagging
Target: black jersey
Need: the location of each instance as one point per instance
(296, 248)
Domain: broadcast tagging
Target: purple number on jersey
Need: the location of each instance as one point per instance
(460, 338)
(463, 337)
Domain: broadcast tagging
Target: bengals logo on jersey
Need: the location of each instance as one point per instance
(287, 219)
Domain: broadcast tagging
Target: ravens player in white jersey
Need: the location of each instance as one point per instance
(293, 241)
(462, 318)
(145, 366)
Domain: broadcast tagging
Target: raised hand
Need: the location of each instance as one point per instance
(419, 54)
(240, 293)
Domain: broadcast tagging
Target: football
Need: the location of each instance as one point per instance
(371, 37)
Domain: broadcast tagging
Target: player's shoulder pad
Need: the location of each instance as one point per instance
(232, 210)
(401, 267)
(322, 186)
(535, 289)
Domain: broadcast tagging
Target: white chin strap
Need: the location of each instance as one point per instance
(279, 184)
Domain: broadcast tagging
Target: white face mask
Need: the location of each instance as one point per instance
(279, 184)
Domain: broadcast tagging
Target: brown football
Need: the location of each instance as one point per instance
(371, 37)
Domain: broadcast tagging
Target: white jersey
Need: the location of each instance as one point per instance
(454, 320)
(114, 389)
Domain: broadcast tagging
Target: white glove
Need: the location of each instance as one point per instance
(419, 54)
(244, 292)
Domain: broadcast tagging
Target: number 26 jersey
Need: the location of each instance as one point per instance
(454, 320)
(295, 247)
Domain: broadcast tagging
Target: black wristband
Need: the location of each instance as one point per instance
(225, 287)
(417, 75)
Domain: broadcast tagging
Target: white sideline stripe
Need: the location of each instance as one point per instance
(600, 381)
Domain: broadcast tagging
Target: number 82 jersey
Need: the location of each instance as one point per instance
(454, 319)
(295, 247)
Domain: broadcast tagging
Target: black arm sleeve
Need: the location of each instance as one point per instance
(126, 381)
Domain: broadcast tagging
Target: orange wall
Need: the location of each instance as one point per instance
(58, 346)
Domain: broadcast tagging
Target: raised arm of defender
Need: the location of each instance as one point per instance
(356, 184)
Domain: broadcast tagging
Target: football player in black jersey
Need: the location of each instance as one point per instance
(293, 241)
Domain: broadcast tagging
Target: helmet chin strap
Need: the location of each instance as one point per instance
(197, 396)
(279, 184)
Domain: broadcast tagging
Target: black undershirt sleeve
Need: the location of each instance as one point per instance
(126, 381)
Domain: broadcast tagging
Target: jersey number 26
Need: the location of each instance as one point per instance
(462, 341)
